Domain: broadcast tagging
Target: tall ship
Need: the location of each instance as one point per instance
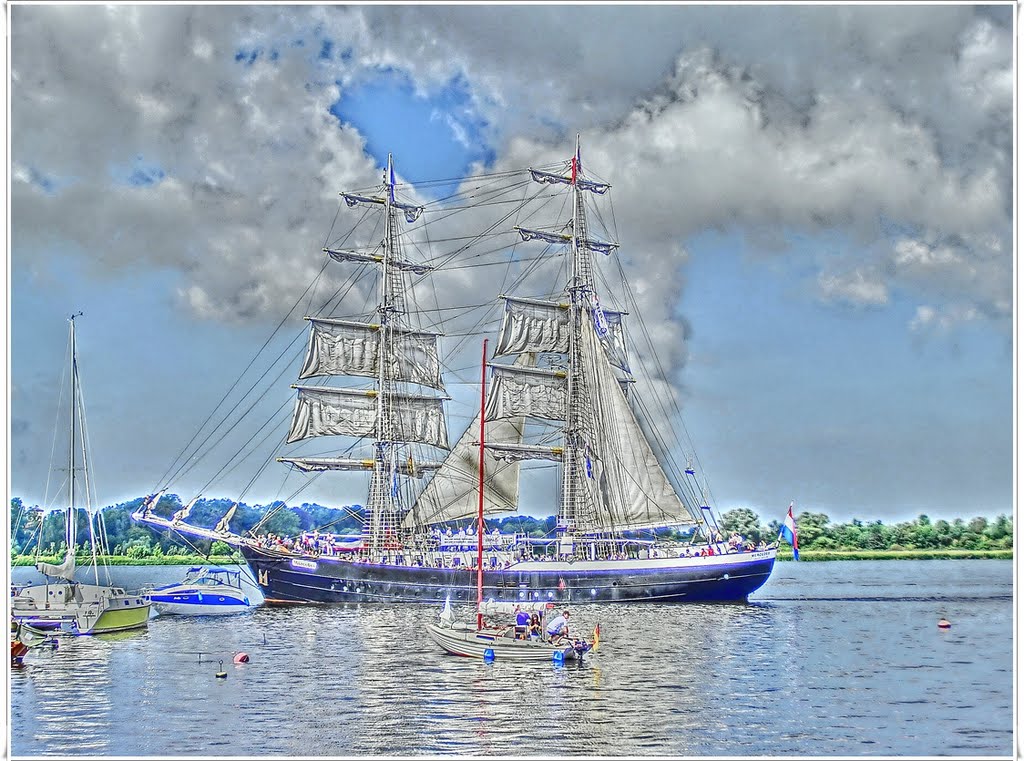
(560, 430)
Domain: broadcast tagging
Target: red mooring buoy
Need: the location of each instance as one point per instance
(241, 658)
(944, 624)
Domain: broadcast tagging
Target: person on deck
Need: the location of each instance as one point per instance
(558, 627)
(522, 622)
(534, 631)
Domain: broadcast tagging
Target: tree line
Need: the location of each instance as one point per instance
(816, 531)
(34, 530)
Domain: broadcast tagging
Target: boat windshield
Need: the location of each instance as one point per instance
(211, 576)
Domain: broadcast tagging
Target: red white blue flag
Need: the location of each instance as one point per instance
(788, 531)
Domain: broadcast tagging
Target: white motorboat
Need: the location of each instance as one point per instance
(204, 591)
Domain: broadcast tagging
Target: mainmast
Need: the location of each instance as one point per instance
(611, 480)
(576, 510)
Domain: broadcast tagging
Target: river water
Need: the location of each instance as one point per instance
(828, 658)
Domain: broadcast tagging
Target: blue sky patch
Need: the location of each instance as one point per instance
(432, 137)
(140, 173)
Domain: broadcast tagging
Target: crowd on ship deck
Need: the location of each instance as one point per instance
(316, 544)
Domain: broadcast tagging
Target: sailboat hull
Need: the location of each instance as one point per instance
(80, 608)
(471, 643)
(287, 578)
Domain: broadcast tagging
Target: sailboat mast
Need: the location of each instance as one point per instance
(480, 505)
(72, 524)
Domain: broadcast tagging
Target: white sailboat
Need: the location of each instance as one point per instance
(500, 641)
(61, 602)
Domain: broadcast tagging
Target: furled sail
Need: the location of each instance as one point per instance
(529, 392)
(65, 570)
(184, 512)
(399, 264)
(548, 237)
(321, 411)
(557, 179)
(515, 452)
(455, 489)
(343, 347)
(628, 480)
(411, 212)
(314, 464)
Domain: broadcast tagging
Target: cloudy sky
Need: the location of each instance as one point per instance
(814, 203)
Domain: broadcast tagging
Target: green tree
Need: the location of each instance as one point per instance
(811, 527)
(744, 521)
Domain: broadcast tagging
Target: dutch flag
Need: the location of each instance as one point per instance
(788, 531)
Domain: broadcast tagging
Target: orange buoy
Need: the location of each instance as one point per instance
(241, 658)
(944, 624)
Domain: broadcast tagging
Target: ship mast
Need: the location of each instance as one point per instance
(381, 516)
(576, 510)
(391, 353)
(611, 479)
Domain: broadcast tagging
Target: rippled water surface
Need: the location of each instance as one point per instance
(838, 658)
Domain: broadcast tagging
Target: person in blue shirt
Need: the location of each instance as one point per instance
(522, 622)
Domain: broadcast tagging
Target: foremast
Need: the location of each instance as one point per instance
(391, 352)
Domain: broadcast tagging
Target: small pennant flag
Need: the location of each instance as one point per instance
(391, 182)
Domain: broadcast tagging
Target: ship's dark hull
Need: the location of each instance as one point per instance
(285, 578)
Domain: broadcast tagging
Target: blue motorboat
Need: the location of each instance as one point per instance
(204, 591)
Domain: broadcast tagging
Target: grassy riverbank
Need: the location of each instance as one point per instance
(811, 555)
(29, 560)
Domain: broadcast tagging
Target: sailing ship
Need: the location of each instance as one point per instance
(61, 602)
(559, 392)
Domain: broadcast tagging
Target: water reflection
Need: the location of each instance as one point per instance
(786, 675)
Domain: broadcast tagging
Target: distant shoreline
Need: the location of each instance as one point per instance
(813, 555)
(784, 555)
(28, 560)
